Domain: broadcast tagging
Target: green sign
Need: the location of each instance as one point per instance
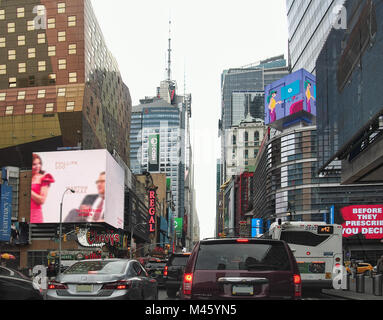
(168, 183)
(153, 153)
(178, 224)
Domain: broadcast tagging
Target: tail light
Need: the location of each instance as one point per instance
(337, 259)
(119, 285)
(166, 271)
(243, 240)
(56, 286)
(297, 285)
(187, 284)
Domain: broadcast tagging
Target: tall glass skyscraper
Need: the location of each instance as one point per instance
(309, 24)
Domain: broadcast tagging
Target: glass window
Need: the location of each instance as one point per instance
(51, 51)
(2, 96)
(71, 21)
(40, 94)
(62, 64)
(30, 25)
(72, 48)
(21, 95)
(305, 238)
(11, 27)
(70, 106)
(11, 54)
(20, 12)
(12, 82)
(72, 77)
(41, 38)
(42, 66)
(61, 7)
(61, 36)
(49, 107)
(61, 92)
(31, 53)
(51, 23)
(22, 67)
(20, 40)
(29, 108)
(2, 42)
(97, 267)
(3, 69)
(9, 110)
(2, 14)
(52, 78)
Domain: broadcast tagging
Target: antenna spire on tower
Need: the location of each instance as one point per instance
(169, 52)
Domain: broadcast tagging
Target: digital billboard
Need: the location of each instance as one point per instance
(96, 179)
(153, 153)
(289, 95)
(363, 220)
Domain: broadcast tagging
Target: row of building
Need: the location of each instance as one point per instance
(314, 153)
(61, 91)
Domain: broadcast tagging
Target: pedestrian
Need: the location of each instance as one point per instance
(379, 265)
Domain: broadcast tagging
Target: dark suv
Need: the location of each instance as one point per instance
(241, 269)
(173, 273)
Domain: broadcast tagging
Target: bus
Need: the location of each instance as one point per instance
(317, 248)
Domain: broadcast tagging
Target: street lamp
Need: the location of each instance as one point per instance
(60, 234)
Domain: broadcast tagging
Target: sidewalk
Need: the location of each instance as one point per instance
(351, 295)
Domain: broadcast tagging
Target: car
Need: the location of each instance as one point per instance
(236, 268)
(103, 279)
(16, 286)
(362, 268)
(173, 273)
(155, 269)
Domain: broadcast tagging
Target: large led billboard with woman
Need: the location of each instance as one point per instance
(94, 176)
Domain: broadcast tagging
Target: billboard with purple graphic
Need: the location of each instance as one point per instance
(290, 95)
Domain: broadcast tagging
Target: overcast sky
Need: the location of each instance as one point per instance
(207, 37)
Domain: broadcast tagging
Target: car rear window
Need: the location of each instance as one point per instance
(178, 261)
(97, 267)
(155, 265)
(243, 256)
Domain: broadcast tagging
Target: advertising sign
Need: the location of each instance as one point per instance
(289, 95)
(152, 210)
(178, 226)
(153, 153)
(256, 227)
(94, 176)
(5, 212)
(365, 220)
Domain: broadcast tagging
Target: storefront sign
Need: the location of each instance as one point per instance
(178, 226)
(152, 210)
(93, 237)
(365, 220)
(5, 212)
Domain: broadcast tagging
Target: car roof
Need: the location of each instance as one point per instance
(231, 240)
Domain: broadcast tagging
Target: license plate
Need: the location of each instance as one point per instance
(84, 288)
(242, 290)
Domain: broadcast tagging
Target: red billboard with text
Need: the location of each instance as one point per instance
(364, 220)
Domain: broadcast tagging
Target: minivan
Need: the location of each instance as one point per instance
(234, 268)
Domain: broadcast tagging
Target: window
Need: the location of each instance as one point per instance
(2, 42)
(246, 136)
(21, 95)
(71, 21)
(234, 140)
(40, 94)
(31, 53)
(11, 54)
(9, 110)
(70, 106)
(30, 25)
(2, 14)
(72, 48)
(61, 92)
(61, 36)
(11, 27)
(21, 40)
(52, 78)
(22, 67)
(41, 38)
(305, 238)
(72, 77)
(51, 51)
(3, 69)
(2, 96)
(20, 12)
(29, 108)
(51, 23)
(12, 82)
(256, 137)
(42, 66)
(246, 154)
(49, 107)
(62, 64)
(61, 7)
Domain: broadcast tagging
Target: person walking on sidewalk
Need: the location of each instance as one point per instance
(379, 265)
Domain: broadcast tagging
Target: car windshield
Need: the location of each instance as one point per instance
(249, 256)
(97, 267)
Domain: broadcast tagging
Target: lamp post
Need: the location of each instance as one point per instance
(60, 234)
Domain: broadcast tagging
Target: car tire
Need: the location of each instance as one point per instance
(172, 293)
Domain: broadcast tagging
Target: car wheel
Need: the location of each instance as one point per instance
(171, 293)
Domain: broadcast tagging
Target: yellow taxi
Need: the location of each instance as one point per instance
(362, 267)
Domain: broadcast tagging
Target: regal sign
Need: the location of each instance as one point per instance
(152, 210)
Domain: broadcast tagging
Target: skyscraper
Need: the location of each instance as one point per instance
(59, 84)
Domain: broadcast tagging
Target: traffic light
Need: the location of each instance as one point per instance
(64, 237)
(77, 230)
(222, 235)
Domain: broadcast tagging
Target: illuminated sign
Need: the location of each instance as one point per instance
(365, 220)
(153, 153)
(325, 229)
(93, 237)
(152, 210)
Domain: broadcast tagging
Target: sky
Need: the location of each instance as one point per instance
(208, 37)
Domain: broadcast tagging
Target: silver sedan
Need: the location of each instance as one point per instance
(104, 279)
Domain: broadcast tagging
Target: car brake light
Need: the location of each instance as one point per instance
(308, 253)
(166, 271)
(187, 284)
(297, 285)
(119, 285)
(56, 286)
(242, 240)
